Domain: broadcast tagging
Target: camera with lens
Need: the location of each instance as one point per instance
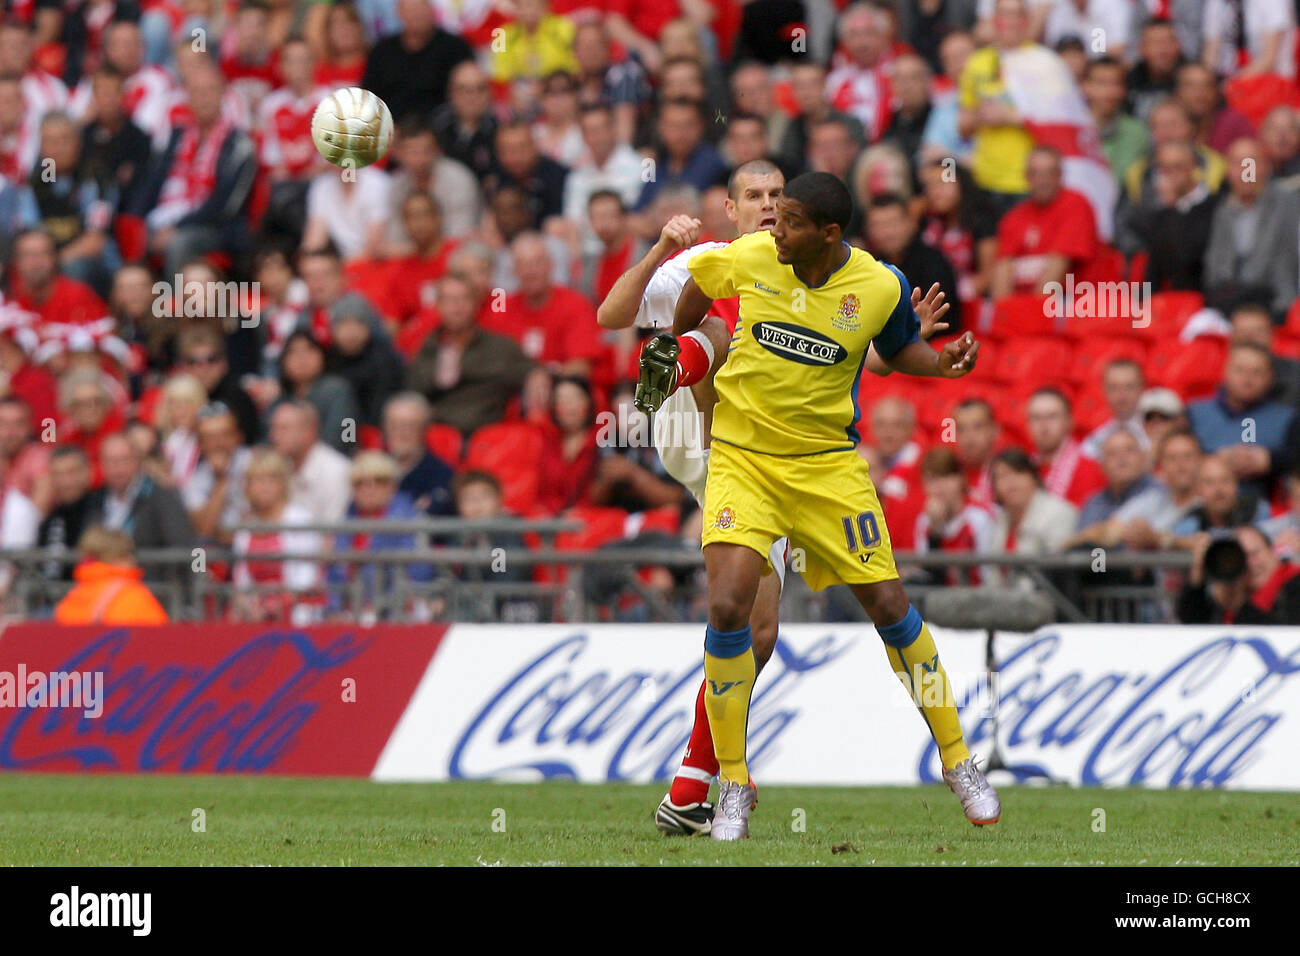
(1225, 560)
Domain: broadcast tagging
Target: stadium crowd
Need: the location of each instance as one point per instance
(204, 324)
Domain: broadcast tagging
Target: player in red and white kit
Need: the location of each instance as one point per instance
(646, 296)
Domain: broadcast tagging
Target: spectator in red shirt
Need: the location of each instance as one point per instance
(24, 379)
(39, 287)
(1045, 236)
(950, 521)
(610, 224)
(416, 274)
(893, 427)
(637, 26)
(26, 462)
(568, 465)
(249, 61)
(976, 433)
(287, 151)
(88, 414)
(860, 86)
(344, 60)
(554, 325)
(1066, 471)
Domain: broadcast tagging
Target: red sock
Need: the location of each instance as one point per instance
(699, 765)
(692, 361)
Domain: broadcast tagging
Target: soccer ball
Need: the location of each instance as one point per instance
(352, 127)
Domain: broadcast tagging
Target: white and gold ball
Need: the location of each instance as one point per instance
(352, 127)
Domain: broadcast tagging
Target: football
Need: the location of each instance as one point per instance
(352, 127)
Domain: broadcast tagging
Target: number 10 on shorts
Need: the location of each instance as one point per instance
(861, 532)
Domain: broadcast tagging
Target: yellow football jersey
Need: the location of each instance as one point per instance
(790, 382)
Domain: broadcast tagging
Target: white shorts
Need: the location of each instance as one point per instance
(678, 435)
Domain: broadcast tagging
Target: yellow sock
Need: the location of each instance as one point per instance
(729, 670)
(913, 657)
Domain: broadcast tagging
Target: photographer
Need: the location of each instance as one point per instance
(1237, 579)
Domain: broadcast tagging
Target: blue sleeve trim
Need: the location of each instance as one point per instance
(727, 643)
(903, 327)
(902, 633)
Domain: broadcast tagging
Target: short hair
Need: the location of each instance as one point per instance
(969, 403)
(1123, 363)
(265, 460)
(1018, 460)
(888, 201)
(941, 462)
(475, 477)
(589, 108)
(1252, 347)
(606, 194)
(410, 398)
(681, 102)
(70, 451)
(1106, 61)
(826, 199)
(374, 464)
(755, 167)
(1174, 434)
(199, 335)
(1056, 393)
(411, 126)
(98, 543)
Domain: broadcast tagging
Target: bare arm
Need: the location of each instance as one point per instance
(620, 307)
(692, 306)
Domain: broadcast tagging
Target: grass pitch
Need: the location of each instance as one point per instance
(151, 820)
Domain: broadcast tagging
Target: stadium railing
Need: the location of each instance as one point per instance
(510, 570)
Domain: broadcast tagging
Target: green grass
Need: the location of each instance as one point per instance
(136, 820)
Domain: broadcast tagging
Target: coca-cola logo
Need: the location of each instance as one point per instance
(551, 716)
(1200, 721)
(241, 713)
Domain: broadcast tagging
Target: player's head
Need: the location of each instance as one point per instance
(752, 192)
(811, 215)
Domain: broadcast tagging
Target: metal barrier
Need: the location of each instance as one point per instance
(486, 571)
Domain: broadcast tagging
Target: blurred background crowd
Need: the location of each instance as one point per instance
(205, 325)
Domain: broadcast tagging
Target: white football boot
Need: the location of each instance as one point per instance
(978, 798)
(731, 819)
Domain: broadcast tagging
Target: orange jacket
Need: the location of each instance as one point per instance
(109, 594)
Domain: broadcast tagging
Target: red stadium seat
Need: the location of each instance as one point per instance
(446, 442)
(1192, 369)
(1287, 346)
(665, 520)
(1042, 360)
(1291, 326)
(1092, 355)
(1090, 410)
(132, 235)
(1021, 315)
(1169, 312)
(511, 451)
(1254, 96)
(599, 526)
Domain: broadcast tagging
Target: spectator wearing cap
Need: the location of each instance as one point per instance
(268, 490)
(1224, 503)
(949, 520)
(1252, 244)
(38, 286)
(1066, 471)
(1162, 412)
(109, 588)
(425, 169)
(410, 70)
(1050, 233)
(1122, 383)
(214, 494)
(1241, 420)
(131, 501)
(319, 482)
(364, 357)
(682, 155)
(374, 478)
(1251, 322)
(423, 476)
(469, 375)
(1240, 580)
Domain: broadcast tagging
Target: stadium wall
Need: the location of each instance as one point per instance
(1093, 705)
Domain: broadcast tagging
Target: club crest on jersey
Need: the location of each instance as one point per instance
(846, 317)
(798, 344)
(726, 520)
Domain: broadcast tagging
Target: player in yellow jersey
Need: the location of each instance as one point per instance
(784, 463)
